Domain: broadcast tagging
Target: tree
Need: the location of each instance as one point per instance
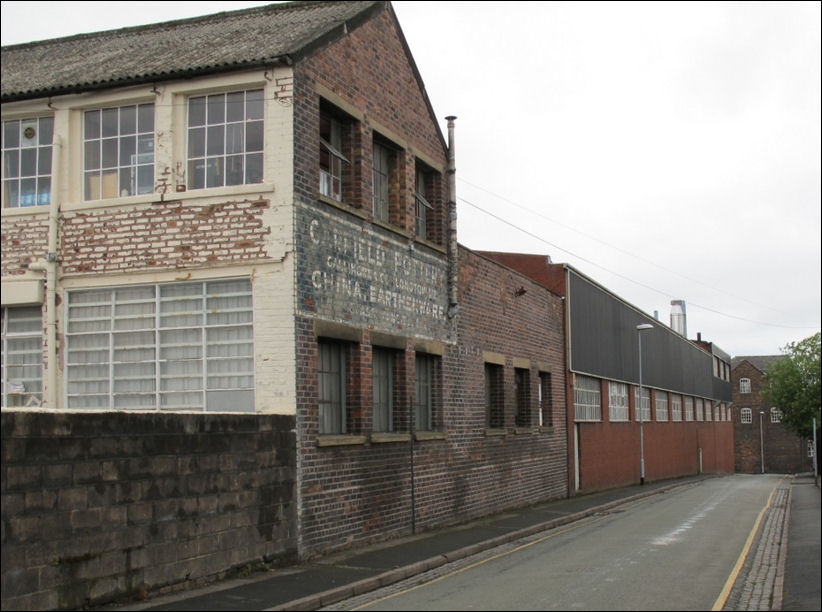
(792, 385)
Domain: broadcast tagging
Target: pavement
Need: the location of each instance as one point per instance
(781, 572)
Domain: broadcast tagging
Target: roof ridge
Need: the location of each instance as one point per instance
(221, 16)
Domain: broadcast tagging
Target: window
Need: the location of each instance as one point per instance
(546, 413)
(744, 385)
(776, 415)
(689, 408)
(522, 392)
(179, 346)
(661, 404)
(494, 396)
(746, 416)
(21, 356)
(423, 196)
(426, 396)
(617, 401)
(643, 410)
(332, 388)
(382, 379)
(676, 407)
(385, 161)
(587, 401)
(225, 139)
(27, 162)
(708, 410)
(332, 132)
(118, 154)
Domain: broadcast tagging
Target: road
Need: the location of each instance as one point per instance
(674, 551)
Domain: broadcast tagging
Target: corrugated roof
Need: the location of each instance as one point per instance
(213, 43)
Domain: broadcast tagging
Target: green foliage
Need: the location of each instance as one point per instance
(792, 385)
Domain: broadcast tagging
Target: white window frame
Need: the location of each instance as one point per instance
(22, 340)
(661, 405)
(204, 150)
(618, 408)
(746, 416)
(587, 399)
(642, 408)
(331, 177)
(776, 415)
(177, 347)
(689, 408)
(676, 407)
(109, 162)
(744, 385)
(33, 138)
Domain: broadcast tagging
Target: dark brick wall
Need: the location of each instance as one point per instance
(784, 451)
(98, 506)
(360, 490)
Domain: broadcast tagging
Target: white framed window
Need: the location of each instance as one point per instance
(587, 399)
(661, 404)
(709, 409)
(382, 383)
(118, 151)
(332, 132)
(744, 385)
(676, 407)
(643, 405)
(27, 154)
(746, 416)
(21, 356)
(225, 139)
(617, 401)
(689, 408)
(176, 346)
(776, 415)
(331, 372)
(698, 409)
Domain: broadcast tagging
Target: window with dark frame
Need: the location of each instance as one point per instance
(382, 382)
(333, 162)
(384, 165)
(331, 374)
(423, 208)
(427, 391)
(546, 413)
(494, 396)
(522, 392)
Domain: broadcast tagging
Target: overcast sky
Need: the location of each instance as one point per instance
(666, 150)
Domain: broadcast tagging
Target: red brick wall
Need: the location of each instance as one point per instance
(784, 451)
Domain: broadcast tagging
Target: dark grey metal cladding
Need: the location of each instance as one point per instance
(603, 340)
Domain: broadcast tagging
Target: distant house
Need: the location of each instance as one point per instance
(762, 444)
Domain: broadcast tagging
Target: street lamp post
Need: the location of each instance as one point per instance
(639, 330)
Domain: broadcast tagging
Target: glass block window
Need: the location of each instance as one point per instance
(118, 151)
(179, 346)
(676, 407)
(27, 149)
(643, 410)
(587, 400)
(225, 139)
(617, 401)
(21, 356)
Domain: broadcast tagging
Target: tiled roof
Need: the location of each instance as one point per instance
(760, 362)
(214, 43)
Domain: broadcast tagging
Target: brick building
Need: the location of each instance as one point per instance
(237, 325)
(685, 425)
(762, 444)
